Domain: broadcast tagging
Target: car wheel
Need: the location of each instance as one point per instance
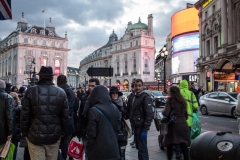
(204, 110)
(234, 113)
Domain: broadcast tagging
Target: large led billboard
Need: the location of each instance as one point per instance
(186, 42)
(185, 53)
(183, 62)
(184, 21)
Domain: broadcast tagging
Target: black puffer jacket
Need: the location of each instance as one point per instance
(102, 141)
(44, 115)
(142, 110)
(6, 116)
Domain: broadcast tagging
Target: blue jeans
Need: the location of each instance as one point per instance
(141, 144)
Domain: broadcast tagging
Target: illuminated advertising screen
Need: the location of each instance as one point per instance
(183, 62)
(184, 21)
(186, 42)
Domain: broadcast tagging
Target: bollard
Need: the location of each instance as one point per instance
(215, 145)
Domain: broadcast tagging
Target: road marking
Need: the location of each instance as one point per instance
(203, 117)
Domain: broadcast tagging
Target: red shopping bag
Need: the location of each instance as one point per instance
(75, 149)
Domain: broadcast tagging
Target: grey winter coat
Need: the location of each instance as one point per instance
(102, 142)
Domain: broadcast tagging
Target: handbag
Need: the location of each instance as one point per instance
(128, 128)
(172, 118)
(196, 126)
(7, 150)
(75, 149)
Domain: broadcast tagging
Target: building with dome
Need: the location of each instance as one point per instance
(131, 56)
(27, 45)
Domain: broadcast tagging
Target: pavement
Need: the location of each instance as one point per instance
(155, 153)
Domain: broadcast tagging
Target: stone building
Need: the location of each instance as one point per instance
(73, 77)
(219, 61)
(28, 44)
(131, 56)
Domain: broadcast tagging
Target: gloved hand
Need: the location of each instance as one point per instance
(144, 134)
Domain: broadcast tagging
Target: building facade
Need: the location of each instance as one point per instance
(30, 47)
(131, 56)
(219, 61)
(73, 77)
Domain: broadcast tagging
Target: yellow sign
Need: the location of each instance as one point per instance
(230, 76)
(206, 3)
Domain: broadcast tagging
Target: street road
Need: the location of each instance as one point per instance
(218, 123)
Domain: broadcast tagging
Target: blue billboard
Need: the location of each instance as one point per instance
(186, 42)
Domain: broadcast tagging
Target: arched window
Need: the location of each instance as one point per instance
(57, 67)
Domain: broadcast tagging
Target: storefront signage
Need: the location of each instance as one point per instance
(237, 75)
(206, 3)
(230, 76)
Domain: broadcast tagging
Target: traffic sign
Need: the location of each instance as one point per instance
(100, 71)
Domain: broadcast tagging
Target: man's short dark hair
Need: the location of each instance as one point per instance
(61, 79)
(139, 80)
(94, 80)
(192, 83)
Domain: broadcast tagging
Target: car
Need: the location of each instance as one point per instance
(159, 99)
(219, 103)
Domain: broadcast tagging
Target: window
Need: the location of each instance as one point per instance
(130, 44)
(134, 65)
(146, 65)
(53, 44)
(208, 31)
(215, 27)
(9, 65)
(120, 46)
(213, 95)
(223, 96)
(14, 64)
(115, 47)
(25, 40)
(44, 42)
(2, 69)
(43, 62)
(206, 15)
(208, 47)
(126, 66)
(61, 45)
(57, 67)
(28, 64)
(213, 9)
(215, 44)
(34, 41)
(136, 43)
(118, 68)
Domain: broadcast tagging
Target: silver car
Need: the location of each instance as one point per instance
(220, 103)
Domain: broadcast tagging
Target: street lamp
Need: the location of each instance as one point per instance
(158, 80)
(163, 55)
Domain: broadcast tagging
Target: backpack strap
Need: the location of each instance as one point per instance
(103, 116)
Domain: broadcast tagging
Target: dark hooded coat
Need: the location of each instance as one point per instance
(102, 142)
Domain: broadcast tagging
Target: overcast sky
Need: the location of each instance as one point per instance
(89, 23)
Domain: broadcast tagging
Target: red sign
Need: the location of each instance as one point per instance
(57, 71)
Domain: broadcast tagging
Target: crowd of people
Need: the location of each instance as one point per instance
(44, 118)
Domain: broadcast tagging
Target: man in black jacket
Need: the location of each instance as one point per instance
(44, 116)
(6, 114)
(83, 112)
(65, 140)
(141, 118)
(195, 91)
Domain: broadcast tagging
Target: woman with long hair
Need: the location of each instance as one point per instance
(178, 132)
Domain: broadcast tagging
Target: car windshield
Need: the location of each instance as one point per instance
(234, 95)
(157, 93)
